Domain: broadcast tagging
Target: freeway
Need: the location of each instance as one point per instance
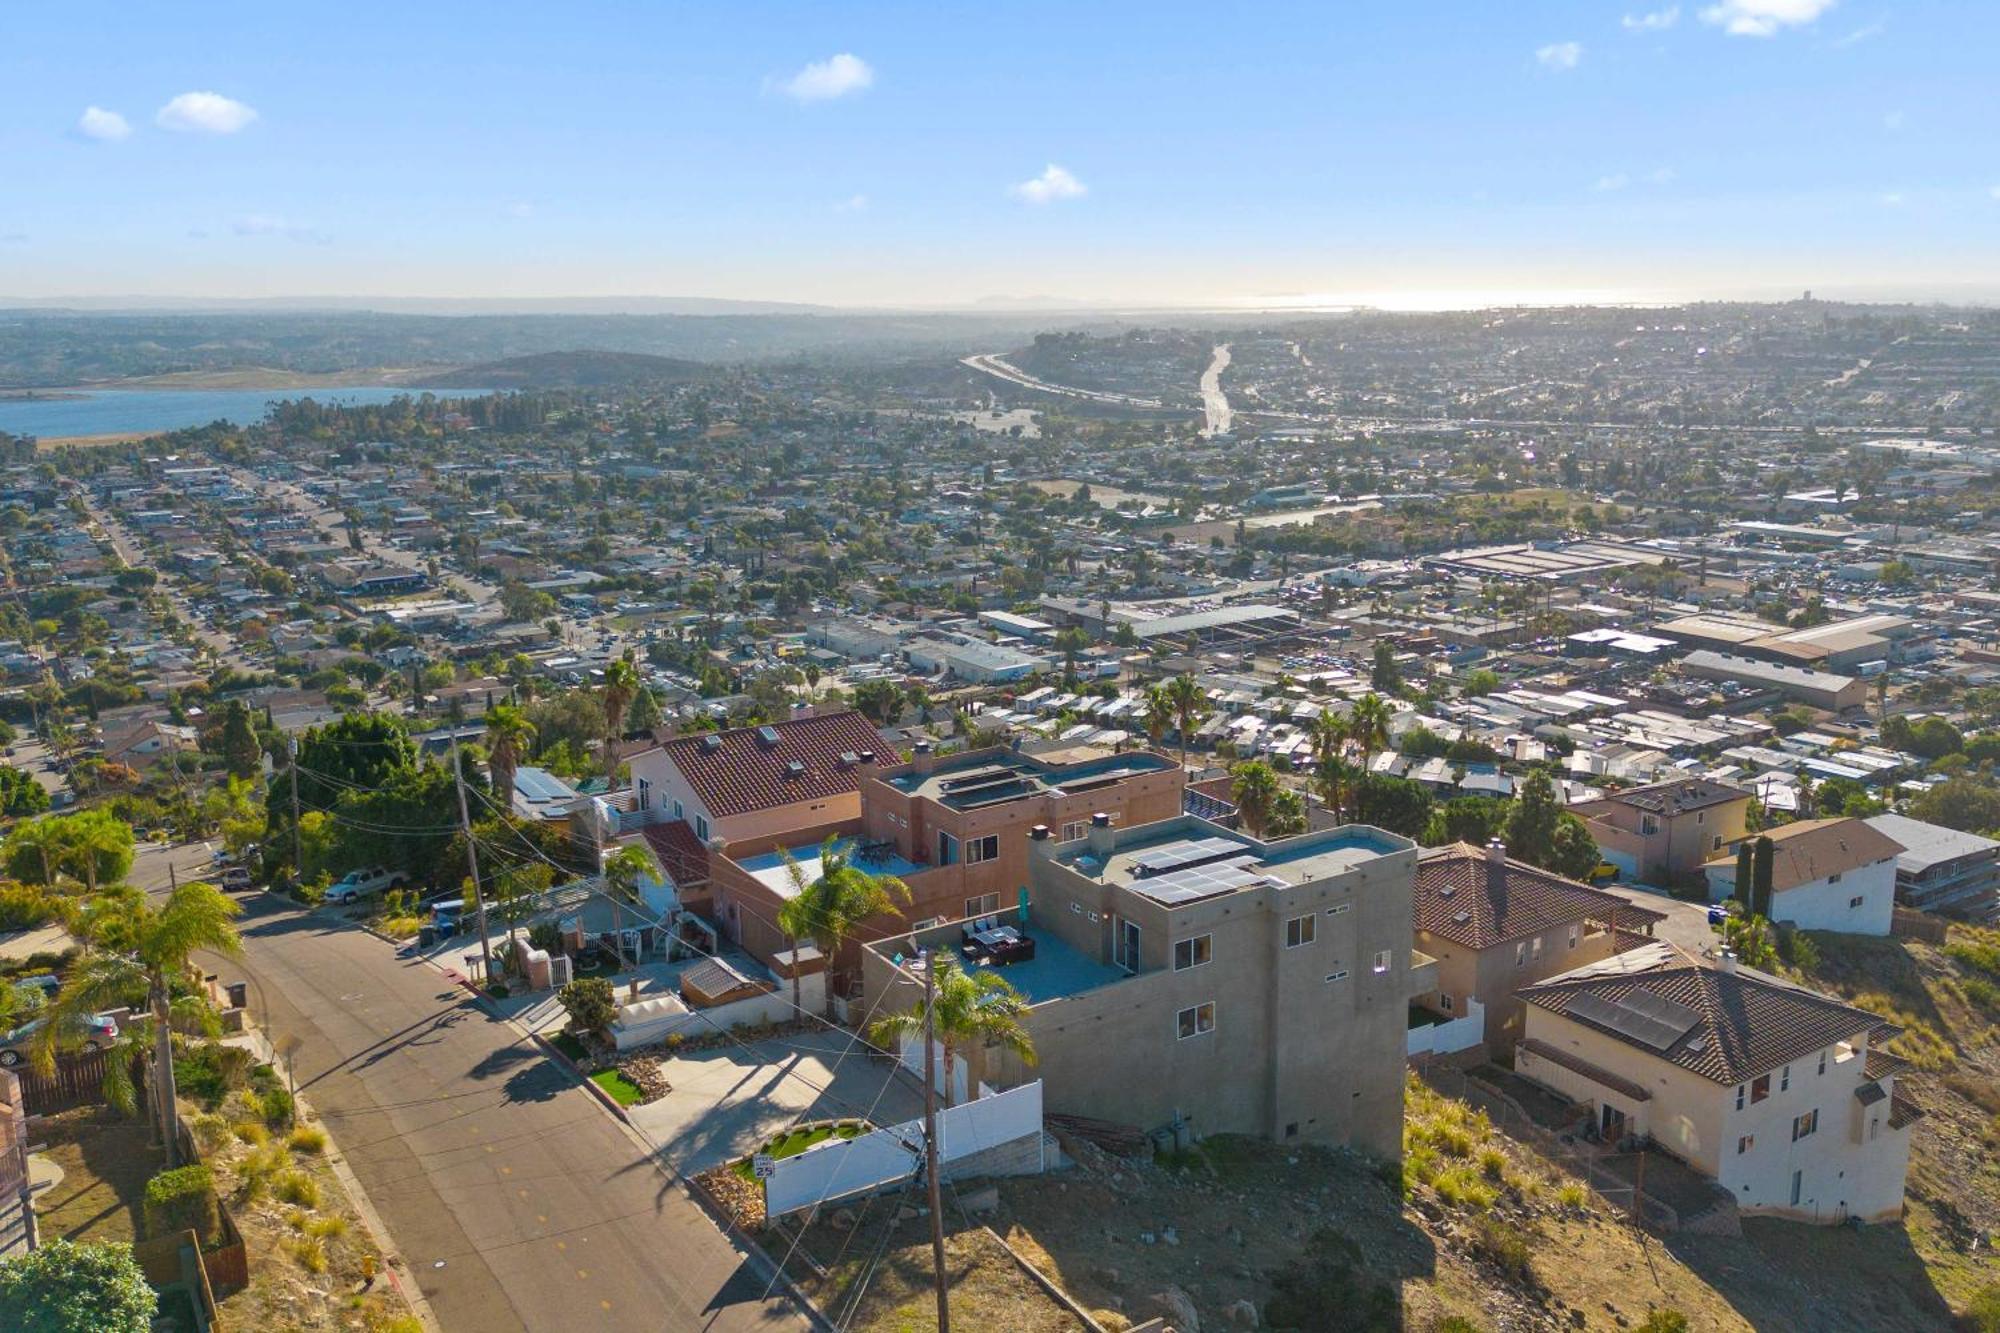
(515, 1200)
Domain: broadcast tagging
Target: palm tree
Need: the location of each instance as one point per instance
(622, 872)
(795, 915)
(1070, 642)
(1368, 728)
(832, 907)
(1255, 789)
(134, 947)
(1159, 713)
(965, 1010)
(1191, 708)
(508, 736)
(621, 683)
(1329, 733)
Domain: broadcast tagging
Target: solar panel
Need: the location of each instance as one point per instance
(1178, 855)
(1646, 1017)
(982, 777)
(1194, 883)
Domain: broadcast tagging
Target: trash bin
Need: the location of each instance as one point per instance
(239, 994)
(426, 936)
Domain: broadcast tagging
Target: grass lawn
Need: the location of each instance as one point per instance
(623, 1090)
(794, 1142)
(106, 1163)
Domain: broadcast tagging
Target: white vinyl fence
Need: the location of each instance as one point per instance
(840, 1167)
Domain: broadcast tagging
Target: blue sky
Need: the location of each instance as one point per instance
(1410, 153)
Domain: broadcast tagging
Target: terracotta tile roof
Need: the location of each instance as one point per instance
(1812, 849)
(680, 853)
(1903, 1110)
(1679, 795)
(1745, 1022)
(1457, 900)
(735, 772)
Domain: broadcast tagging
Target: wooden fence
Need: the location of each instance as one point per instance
(1909, 923)
(77, 1078)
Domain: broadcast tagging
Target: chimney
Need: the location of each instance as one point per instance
(1103, 838)
(868, 760)
(1041, 843)
(924, 758)
(1725, 960)
(1496, 868)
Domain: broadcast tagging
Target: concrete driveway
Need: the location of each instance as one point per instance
(1686, 924)
(725, 1102)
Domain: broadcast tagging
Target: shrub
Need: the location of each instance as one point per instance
(275, 1105)
(309, 1252)
(252, 1132)
(327, 1228)
(1325, 1288)
(1493, 1163)
(258, 1167)
(68, 1288)
(299, 1188)
(1460, 1188)
(589, 1002)
(1573, 1195)
(308, 1139)
(1503, 1245)
(209, 1072)
(183, 1200)
(1663, 1321)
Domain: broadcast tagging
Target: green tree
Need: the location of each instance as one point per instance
(1368, 726)
(623, 870)
(242, 755)
(1069, 642)
(140, 948)
(1288, 815)
(1159, 714)
(519, 602)
(1254, 787)
(1396, 804)
(590, 1004)
(63, 1287)
(1966, 804)
(1744, 873)
(621, 683)
(1533, 821)
(880, 701)
(1575, 854)
(20, 794)
(1481, 682)
(1750, 938)
(92, 847)
(1763, 860)
(966, 1010)
(1385, 673)
(1474, 819)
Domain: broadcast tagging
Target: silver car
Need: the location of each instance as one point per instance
(101, 1034)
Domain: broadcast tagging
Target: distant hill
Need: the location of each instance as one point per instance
(569, 370)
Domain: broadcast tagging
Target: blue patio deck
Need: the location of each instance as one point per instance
(769, 867)
(1056, 970)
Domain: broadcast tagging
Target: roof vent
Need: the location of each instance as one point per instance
(848, 759)
(711, 743)
(767, 737)
(1448, 890)
(795, 769)
(1461, 918)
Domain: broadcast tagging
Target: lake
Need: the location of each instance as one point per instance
(125, 411)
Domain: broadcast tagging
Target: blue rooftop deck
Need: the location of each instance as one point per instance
(769, 867)
(1056, 970)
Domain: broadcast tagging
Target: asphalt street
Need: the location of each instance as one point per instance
(515, 1199)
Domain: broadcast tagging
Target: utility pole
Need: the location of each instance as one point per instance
(930, 1140)
(472, 861)
(298, 857)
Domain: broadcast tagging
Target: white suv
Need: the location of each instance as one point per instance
(363, 883)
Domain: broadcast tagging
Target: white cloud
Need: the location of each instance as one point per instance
(104, 126)
(1763, 18)
(1616, 181)
(1560, 55)
(205, 113)
(854, 203)
(1659, 20)
(1054, 183)
(824, 79)
(265, 224)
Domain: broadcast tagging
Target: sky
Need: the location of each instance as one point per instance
(1446, 153)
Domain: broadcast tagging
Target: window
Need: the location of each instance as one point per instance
(1745, 1144)
(1700, 818)
(1760, 1088)
(1384, 960)
(1521, 953)
(1834, 878)
(1854, 902)
(1338, 908)
(1336, 976)
(1716, 844)
(1574, 934)
(1785, 1079)
(1822, 1062)
(1299, 930)
(1649, 825)
(1802, 1125)
(1125, 944)
(680, 812)
(1739, 1096)
(1073, 830)
(701, 828)
(982, 849)
(1535, 951)
(1193, 952)
(1874, 1127)
(1196, 1021)
(984, 903)
(645, 793)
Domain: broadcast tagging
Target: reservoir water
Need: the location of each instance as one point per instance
(70, 412)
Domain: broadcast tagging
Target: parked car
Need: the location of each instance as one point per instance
(236, 878)
(14, 1046)
(365, 882)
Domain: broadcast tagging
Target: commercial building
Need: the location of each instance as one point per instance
(1818, 689)
(1826, 874)
(1838, 646)
(1182, 975)
(1943, 870)
(1783, 1096)
(1667, 830)
(971, 659)
(1495, 925)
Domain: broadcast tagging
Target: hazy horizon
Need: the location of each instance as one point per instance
(1116, 157)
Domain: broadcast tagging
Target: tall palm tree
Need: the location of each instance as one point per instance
(134, 947)
(833, 906)
(795, 914)
(1191, 708)
(621, 683)
(509, 734)
(1329, 732)
(1159, 713)
(622, 873)
(965, 1010)
(1254, 787)
(1368, 727)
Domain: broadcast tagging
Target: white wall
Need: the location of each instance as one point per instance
(1461, 1033)
(668, 786)
(839, 1167)
(913, 1060)
(1821, 905)
(775, 1007)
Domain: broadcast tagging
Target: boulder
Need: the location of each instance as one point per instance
(1173, 1305)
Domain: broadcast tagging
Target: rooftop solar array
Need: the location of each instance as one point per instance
(1176, 888)
(1644, 1016)
(1179, 855)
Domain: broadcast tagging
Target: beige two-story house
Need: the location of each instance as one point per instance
(1665, 832)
